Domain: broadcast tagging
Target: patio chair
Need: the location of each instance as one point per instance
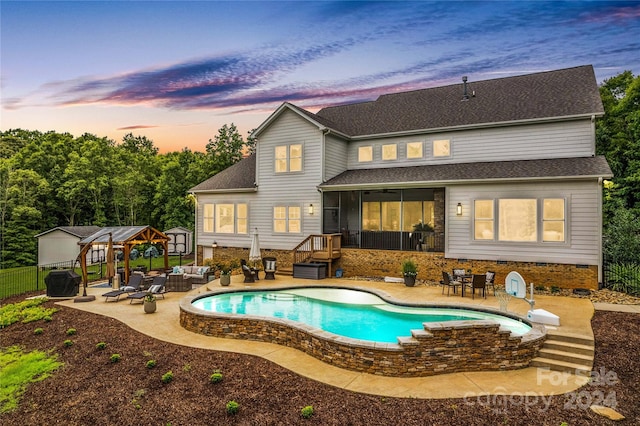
(157, 288)
(250, 274)
(449, 282)
(490, 276)
(458, 274)
(269, 265)
(134, 284)
(479, 282)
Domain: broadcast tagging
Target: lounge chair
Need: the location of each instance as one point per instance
(449, 282)
(134, 284)
(157, 288)
(478, 282)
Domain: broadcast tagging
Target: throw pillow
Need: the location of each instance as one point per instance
(155, 288)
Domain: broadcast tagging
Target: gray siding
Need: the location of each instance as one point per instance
(282, 189)
(335, 160)
(535, 141)
(582, 224)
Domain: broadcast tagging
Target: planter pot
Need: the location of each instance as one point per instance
(225, 280)
(409, 280)
(149, 307)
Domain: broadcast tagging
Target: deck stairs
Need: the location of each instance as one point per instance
(565, 352)
(320, 248)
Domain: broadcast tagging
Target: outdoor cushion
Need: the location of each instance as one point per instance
(270, 265)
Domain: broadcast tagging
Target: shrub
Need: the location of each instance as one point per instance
(68, 343)
(71, 332)
(101, 345)
(38, 331)
(624, 277)
(115, 358)
(409, 267)
(307, 411)
(555, 289)
(167, 377)
(540, 288)
(232, 407)
(216, 377)
(25, 311)
(47, 318)
(151, 363)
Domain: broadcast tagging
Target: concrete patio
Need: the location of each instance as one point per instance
(575, 316)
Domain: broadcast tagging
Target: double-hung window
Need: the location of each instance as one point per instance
(288, 158)
(287, 219)
(207, 218)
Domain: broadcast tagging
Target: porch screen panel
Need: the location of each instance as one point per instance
(225, 218)
(517, 220)
(429, 212)
(207, 218)
(411, 214)
(391, 215)
(371, 216)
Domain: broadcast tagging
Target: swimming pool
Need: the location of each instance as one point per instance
(345, 312)
(482, 341)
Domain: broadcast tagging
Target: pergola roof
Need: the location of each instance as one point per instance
(132, 235)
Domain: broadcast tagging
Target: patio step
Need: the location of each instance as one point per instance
(285, 271)
(565, 352)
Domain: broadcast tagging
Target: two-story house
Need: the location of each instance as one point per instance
(503, 171)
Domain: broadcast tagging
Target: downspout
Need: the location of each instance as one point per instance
(600, 252)
(593, 134)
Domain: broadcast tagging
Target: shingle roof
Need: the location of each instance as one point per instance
(561, 93)
(466, 172)
(76, 231)
(241, 175)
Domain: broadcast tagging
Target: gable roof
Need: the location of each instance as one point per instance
(240, 176)
(570, 92)
(584, 167)
(76, 231)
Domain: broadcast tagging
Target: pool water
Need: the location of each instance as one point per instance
(350, 313)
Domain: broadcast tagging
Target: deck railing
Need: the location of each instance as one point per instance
(317, 247)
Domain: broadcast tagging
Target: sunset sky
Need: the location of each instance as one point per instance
(176, 71)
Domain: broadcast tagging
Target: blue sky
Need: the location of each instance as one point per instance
(176, 71)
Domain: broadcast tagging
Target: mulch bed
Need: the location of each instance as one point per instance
(91, 390)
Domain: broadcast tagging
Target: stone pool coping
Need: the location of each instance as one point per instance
(445, 347)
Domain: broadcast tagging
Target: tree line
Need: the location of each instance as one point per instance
(53, 179)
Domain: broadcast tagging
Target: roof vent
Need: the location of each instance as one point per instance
(465, 94)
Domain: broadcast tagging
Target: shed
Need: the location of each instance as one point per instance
(60, 244)
(180, 240)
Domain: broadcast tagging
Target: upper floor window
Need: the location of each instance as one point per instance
(224, 218)
(288, 158)
(389, 152)
(442, 148)
(287, 219)
(414, 150)
(365, 154)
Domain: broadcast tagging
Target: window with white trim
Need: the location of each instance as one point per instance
(241, 218)
(414, 150)
(365, 154)
(224, 218)
(390, 151)
(517, 219)
(207, 218)
(287, 219)
(288, 158)
(483, 219)
(442, 148)
(553, 220)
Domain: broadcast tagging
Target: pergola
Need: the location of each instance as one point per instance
(126, 236)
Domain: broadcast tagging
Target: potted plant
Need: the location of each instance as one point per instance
(149, 303)
(409, 271)
(225, 269)
(421, 230)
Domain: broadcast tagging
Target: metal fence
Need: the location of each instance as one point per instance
(623, 276)
(21, 280)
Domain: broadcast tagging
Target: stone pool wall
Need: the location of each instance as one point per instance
(450, 347)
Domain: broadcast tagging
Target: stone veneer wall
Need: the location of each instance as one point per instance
(440, 348)
(381, 263)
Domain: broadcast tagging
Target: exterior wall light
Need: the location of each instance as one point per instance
(311, 209)
(459, 209)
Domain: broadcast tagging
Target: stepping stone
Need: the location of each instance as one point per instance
(607, 412)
